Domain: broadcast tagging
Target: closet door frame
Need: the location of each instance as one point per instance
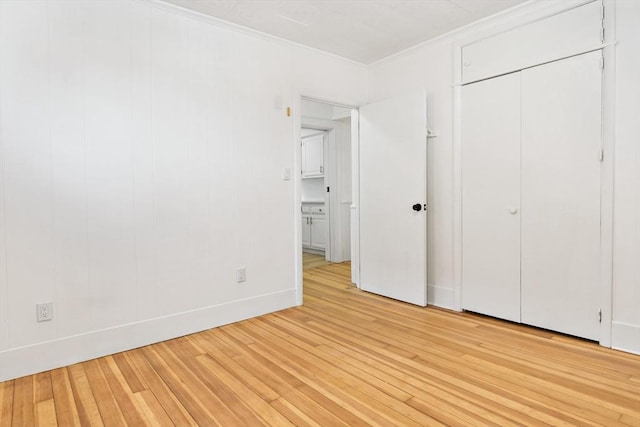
(537, 12)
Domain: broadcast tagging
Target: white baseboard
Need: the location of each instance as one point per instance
(625, 337)
(313, 251)
(66, 351)
(440, 296)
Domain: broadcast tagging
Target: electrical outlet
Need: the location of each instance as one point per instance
(44, 311)
(241, 275)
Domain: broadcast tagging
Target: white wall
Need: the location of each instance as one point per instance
(430, 66)
(626, 260)
(141, 154)
(313, 190)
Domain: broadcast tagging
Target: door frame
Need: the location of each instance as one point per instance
(607, 171)
(298, 123)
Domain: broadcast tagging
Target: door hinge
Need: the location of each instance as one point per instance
(601, 154)
(602, 12)
(600, 315)
(602, 62)
(602, 34)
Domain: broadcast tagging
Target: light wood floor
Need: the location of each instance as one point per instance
(344, 358)
(313, 261)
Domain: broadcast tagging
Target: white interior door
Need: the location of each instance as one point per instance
(393, 178)
(491, 197)
(561, 140)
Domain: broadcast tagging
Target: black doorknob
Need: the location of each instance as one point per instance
(417, 207)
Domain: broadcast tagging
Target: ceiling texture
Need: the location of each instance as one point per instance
(365, 31)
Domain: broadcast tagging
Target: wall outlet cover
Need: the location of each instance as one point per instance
(44, 311)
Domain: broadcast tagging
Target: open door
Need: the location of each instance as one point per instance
(393, 194)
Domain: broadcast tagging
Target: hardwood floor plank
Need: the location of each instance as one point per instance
(298, 416)
(6, 401)
(301, 409)
(121, 392)
(230, 404)
(46, 414)
(310, 261)
(339, 382)
(23, 402)
(88, 412)
(203, 405)
(630, 420)
(130, 374)
(64, 401)
(243, 401)
(242, 367)
(344, 358)
(405, 372)
(161, 391)
(42, 387)
(152, 409)
(105, 400)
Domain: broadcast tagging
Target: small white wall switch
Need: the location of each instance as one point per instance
(286, 174)
(241, 275)
(44, 311)
(277, 102)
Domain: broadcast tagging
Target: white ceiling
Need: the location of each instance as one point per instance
(362, 30)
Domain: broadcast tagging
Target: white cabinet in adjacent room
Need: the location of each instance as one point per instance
(314, 227)
(306, 230)
(318, 232)
(313, 156)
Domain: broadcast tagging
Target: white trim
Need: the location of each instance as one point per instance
(329, 102)
(297, 194)
(334, 247)
(315, 123)
(441, 296)
(354, 209)
(625, 337)
(18, 362)
(552, 59)
(221, 23)
(4, 287)
(457, 180)
(607, 176)
(313, 251)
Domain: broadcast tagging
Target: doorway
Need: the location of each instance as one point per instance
(326, 174)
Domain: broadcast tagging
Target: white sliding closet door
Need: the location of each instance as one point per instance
(561, 137)
(491, 197)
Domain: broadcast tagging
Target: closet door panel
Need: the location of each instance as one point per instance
(561, 137)
(491, 197)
